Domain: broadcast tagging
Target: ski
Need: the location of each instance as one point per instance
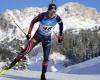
(3, 71)
(7, 67)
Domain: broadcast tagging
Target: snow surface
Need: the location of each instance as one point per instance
(55, 62)
(35, 75)
(88, 67)
(88, 70)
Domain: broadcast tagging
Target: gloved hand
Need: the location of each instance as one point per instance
(60, 39)
(28, 36)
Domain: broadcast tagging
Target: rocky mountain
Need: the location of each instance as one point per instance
(74, 15)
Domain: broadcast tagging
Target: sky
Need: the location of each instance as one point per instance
(21, 4)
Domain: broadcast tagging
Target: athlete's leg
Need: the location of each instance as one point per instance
(25, 51)
(28, 48)
(46, 49)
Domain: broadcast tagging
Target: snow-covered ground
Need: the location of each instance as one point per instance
(88, 67)
(88, 70)
(35, 75)
(55, 62)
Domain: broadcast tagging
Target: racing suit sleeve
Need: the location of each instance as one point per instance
(60, 25)
(36, 19)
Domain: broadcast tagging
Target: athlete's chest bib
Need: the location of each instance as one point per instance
(46, 25)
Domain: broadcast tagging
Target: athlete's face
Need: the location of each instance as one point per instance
(52, 12)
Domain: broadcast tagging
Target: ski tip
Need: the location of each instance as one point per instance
(7, 79)
(3, 72)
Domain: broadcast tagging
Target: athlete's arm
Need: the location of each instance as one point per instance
(36, 19)
(60, 25)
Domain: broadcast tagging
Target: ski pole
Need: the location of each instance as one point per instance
(57, 37)
(55, 34)
(19, 27)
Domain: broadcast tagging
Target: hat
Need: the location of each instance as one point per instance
(52, 6)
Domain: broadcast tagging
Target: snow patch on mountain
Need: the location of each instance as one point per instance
(88, 67)
(74, 15)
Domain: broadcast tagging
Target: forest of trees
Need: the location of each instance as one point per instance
(5, 53)
(79, 47)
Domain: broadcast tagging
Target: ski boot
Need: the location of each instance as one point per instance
(43, 77)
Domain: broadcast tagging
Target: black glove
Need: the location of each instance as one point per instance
(60, 39)
(28, 36)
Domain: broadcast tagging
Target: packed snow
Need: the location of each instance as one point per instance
(88, 67)
(88, 70)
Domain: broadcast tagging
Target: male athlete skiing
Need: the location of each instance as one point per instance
(43, 34)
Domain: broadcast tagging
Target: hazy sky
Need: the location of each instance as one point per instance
(20, 4)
